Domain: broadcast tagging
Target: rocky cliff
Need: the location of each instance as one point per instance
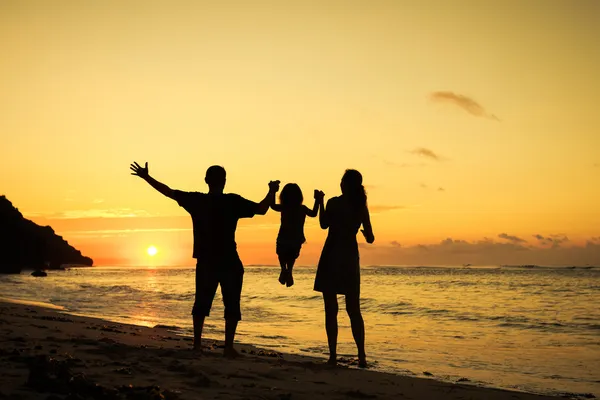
(24, 244)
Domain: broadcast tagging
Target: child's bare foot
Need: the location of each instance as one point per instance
(289, 279)
(283, 276)
(230, 352)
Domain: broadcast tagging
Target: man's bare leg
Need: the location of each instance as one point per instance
(198, 326)
(230, 328)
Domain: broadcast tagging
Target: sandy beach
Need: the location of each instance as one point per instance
(46, 354)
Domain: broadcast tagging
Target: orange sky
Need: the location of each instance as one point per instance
(469, 120)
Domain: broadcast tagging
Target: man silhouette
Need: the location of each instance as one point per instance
(214, 216)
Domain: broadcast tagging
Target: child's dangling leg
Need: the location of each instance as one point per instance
(284, 273)
(289, 281)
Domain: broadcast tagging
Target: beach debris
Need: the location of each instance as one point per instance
(202, 380)
(50, 375)
(427, 373)
(463, 380)
(54, 319)
(112, 328)
(357, 394)
(39, 273)
(124, 371)
(171, 327)
(264, 353)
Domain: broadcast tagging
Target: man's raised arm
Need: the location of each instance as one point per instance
(269, 199)
(142, 172)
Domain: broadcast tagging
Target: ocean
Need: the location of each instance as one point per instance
(527, 328)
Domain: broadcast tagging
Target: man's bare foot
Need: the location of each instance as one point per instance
(332, 361)
(362, 361)
(198, 350)
(230, 352)
(290, 279)
(283, 276)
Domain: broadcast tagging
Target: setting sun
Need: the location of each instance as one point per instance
(152, 251)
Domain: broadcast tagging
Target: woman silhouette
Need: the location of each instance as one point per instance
(338, 271)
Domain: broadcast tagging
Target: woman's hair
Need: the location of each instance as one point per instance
(291, 195)
(353, 188)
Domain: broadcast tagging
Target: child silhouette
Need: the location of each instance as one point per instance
(291, 232)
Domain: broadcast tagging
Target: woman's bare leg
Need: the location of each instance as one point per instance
(358, 327)
(331, 325)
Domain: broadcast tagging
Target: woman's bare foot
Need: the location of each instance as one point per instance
(283, 276)
(289, 279)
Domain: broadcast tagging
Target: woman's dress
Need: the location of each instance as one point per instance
(338, 270)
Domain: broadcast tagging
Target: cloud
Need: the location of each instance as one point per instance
(485, 251)
(552, 240)
(441, 189)
(427, 153)
(395, 164)
(119, 232)
(395, 243)
(464, 102)
(93, 213)
(511, 238)
(381, 208)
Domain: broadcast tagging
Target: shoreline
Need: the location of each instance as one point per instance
(111, 356)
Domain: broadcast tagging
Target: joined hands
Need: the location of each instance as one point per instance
(319, 195)
(274, 186)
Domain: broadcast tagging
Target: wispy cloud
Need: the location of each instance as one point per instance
(485, 251)
(464, 102)
(427, 153)
(511, 238)
(120, 232)
(93, 213)
(395, 164)
(395, 243)
(381, 208)
(552, 240)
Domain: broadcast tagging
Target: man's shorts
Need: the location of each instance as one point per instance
(230, 275)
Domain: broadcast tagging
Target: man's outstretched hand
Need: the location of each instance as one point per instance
(140, 171)
(274, 186)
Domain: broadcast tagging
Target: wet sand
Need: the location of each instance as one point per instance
(46, 354)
